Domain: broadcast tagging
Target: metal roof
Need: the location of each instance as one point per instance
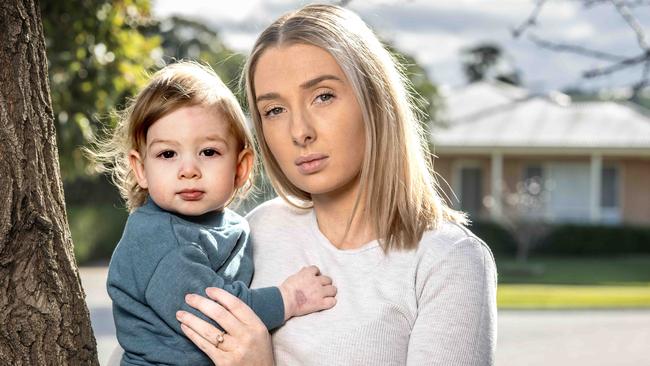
(498, 116)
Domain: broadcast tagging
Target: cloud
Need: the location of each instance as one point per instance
(435, 31)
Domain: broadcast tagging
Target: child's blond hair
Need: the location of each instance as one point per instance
(182, 84)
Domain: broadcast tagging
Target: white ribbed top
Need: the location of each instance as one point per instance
(432, 306)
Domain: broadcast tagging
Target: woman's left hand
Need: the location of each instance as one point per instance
(246, 340)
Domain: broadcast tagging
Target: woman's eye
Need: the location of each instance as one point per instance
(167, 154)
(210, 152)
(273, 112)
(325, 97)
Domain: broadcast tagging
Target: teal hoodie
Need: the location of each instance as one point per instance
(164, 256)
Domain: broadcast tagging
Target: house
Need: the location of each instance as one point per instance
(507, 153)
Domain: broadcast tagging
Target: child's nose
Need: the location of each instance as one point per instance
(189, 170)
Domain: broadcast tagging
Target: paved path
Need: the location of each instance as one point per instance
(526, 338)
(594, 338)
(93, 280)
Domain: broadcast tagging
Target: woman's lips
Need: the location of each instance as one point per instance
(312, 163)
(191, 194)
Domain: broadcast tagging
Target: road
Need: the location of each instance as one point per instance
(525, 338)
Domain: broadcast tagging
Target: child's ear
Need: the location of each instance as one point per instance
(244, 167)
(137, 166)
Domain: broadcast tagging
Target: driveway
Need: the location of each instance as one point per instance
(526, 338)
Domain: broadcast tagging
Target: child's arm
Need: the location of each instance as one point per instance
(187, 270)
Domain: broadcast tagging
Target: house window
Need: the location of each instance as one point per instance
(470, 190)
(533, 172)
(569, 186)
(609, 190)
(531, 193)
(533, 180)
(609, 198)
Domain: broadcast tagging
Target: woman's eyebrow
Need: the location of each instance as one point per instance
(267, 96)
(306, 85)
(310, 83)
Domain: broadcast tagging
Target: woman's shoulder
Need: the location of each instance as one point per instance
(451, 252)
(450, 239)
(273, 210)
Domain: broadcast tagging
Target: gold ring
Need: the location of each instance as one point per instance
(219, 339)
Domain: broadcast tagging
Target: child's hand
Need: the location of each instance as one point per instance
(306, 292)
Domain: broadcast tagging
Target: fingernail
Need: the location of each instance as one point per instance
(180, 315)
(189, 298)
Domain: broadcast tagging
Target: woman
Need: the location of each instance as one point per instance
(342, 147)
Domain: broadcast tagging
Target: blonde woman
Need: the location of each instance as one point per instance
(342, 147)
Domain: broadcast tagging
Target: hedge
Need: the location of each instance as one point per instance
(595, 240)
(500, 240)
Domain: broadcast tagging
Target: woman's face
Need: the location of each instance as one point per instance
(311, 119)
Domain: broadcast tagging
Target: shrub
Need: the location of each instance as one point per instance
(595, 240)
(500, 240)
(95, 230)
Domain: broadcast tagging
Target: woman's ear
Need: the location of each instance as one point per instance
(244, 167)
(137, 166)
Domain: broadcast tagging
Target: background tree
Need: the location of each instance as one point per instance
(42, 311)
(97, 56)
(487, 61)
(184, 38)
(625, 10)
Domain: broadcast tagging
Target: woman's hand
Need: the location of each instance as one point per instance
(246, 340)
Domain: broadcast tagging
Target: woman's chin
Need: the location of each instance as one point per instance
(326, 185)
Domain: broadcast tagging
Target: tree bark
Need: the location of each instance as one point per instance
(43, 317)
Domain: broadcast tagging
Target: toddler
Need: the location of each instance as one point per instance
(179, 156)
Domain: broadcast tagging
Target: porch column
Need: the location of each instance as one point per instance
(497, 179)
(596, 168)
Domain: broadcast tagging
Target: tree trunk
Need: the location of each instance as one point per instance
(43, 317)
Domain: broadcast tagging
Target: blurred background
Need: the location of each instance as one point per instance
(537, 112)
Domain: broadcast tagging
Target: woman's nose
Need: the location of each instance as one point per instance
(302, 129)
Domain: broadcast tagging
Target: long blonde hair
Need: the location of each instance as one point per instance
(182, 84)
(401, 194)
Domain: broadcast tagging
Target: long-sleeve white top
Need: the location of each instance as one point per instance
(435, 305)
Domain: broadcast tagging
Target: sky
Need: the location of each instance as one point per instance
(435, 32)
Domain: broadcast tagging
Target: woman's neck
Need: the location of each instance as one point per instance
(333, 212)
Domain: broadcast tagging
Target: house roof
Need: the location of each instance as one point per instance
(483, 96)
(495, 116)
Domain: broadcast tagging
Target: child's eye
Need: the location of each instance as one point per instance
(273, 112)
(167, 154)
(210, 152)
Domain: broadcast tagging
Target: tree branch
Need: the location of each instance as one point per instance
(563, 47)
(628, 3)
(644, 82)
(632, 22)
(644, 57)
(531, 21)
(618, 62)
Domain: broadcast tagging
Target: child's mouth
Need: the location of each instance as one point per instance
(191, 195)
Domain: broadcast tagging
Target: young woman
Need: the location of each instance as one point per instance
(343, 149)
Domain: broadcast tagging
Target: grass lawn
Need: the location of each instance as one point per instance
(572, 297)
(570, 283)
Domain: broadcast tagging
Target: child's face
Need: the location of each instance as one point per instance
(192, 162)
